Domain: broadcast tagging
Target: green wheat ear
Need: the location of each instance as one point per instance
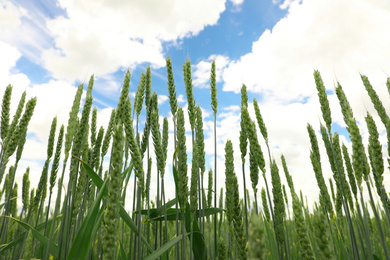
(23, 125)
(111, 220)
(287, 173)
(134, 148)
(210, 189)
(229, 176)
(200, 140)
(257, 248)
(260, 121)
(316, 163)
(194, 180)
(189, 93)
(321, 235)
(123, 98)
(233, 208)
(157, 138)
(72, 122)
(222, 254)
(243, 134)
(213, 87)
(171, 88)
(305, 249)
(139, 96)
(148, 86)
(325, 109)
(26, 189)
(376, 102)
(265, 205)
(5, 109)
(279, 207)
(56, 161)
(337, 151)
(11, 141)
(351, 176)
(93, 126)
(181, 158)
(376, 160)
(359, 158)
(164, 141)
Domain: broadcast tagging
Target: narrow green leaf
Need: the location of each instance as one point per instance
(159, 211)
(122, 251)
(171, 214)
(271, 240)
(20, 237)
(37, 235)
(188, 217)
(81, 244)
(175, 177)
(122, 212)
(159, 252)
(198, 243)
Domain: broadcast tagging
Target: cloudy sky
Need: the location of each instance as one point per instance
(48, 47)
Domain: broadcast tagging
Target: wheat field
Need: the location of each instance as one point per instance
(88, 218)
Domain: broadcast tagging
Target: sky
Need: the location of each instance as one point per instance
(49, 47)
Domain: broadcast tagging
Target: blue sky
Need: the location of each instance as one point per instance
(48, 47)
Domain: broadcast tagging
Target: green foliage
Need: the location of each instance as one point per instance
(181, 150)
(171, 88)
(213, 87)
(256, 242)
(260, 121)
(305, 249)
(91, 220)
(278, 203)
(265, 205)
(113, 204)
(325, 109)
(5, 109)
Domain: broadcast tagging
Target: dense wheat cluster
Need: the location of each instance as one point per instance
(89, 221)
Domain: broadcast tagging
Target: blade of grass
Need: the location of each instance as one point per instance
(271, 240)
(81, 245)
(19, 238)
(44, 240)
(122, 212)
(159, 252)
(122, 251)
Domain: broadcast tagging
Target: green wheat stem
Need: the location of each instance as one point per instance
(243, 149)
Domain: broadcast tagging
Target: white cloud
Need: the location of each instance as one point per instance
(340, 40)
(162, 99)
(321, 35)
(201, 71)
(9, 56)
(286, 3)
(24, 28)
(180, 99)
(237, 2)
(100, 37)
(9, 16)
(236, 5)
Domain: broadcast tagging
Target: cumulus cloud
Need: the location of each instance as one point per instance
(237, 2)
(340, 40)
(180, 99)
(162, 99)
(201, 74)
(24, 28)
(103, 36)
(331, 36)
(9, 16)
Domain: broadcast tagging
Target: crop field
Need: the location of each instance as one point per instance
(88, 219)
